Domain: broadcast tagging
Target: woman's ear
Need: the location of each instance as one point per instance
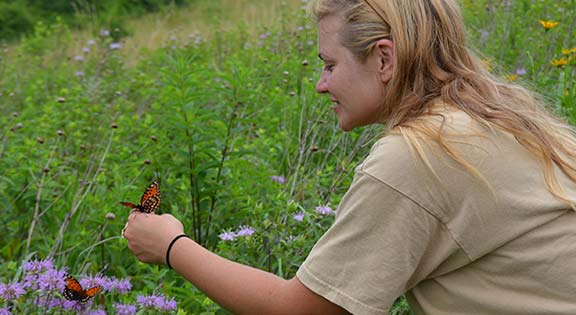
(387, 59)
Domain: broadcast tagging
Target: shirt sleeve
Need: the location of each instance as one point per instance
(381, 244)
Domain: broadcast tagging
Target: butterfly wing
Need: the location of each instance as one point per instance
(129, 204)
(90, 293)
(150, 200)
(73, 291)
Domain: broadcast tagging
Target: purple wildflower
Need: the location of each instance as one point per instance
(168, 305)
(79, 74)
(4, 311)
(484, 34)
(123, 286)
(52, 280)
(245, 230)
(85, 49)
(91, 42)
(324, 210)
(125, 309)
(94, 312)
(11, 291)
(104, 33)
(115, 46)
(151, 301)
(147, 300)
(74, 305)
(299, 216)
(48, 303)
(105, 283)
(264, 35)
(79, 58)
(279, 179)
(37, 266)
(38, 274)
(227, 236)
(30, 281)
(156, 301)
(521, 71)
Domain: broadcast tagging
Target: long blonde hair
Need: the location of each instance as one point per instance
(434, 64)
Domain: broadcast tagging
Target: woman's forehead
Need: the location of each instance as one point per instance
(330, 24)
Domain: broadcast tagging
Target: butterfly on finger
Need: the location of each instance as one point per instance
(150, 201)
(73, 291)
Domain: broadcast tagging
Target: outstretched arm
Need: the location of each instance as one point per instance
(236, 287)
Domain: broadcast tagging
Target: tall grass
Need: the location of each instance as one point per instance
(227, 119)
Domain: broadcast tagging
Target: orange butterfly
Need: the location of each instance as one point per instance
(150, 200)
(73, 291)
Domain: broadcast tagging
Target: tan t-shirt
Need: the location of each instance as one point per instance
(451, 244)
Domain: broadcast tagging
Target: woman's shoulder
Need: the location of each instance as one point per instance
(389, 155)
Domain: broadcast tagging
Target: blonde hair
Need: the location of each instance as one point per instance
(434, 65)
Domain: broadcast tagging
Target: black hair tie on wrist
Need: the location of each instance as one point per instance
(170, 247)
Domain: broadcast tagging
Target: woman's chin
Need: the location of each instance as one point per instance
(344, 125)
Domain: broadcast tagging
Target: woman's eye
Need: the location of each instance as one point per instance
(328, 68)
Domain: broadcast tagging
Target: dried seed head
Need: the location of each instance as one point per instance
(305, 62)
(15, 114)
(292, 94)
(147, 162)
(314, 148)
(154, 138)
(60, 133)
(82, 147)
(40, 140)
(19, 126)
(110, 216)
(118, 93)
(114, 125)
(61, 100)
(46, 170)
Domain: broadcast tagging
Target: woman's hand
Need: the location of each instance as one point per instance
(149, 235)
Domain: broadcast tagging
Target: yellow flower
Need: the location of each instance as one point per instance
(559, 63)
(566, 51)
(512, 77)
(487, 64)
(548, 24)
(574, 50)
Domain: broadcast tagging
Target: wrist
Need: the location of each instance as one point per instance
(170, 247)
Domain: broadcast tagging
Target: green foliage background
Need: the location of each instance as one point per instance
(213, 120)
(17, 17)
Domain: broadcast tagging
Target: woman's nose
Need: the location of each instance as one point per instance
(322, 84)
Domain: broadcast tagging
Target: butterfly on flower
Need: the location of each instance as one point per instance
(73, 291)
(150, 200)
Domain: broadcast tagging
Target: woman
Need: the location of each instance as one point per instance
(465, 205)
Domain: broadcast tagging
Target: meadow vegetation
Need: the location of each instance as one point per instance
(216, 101)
